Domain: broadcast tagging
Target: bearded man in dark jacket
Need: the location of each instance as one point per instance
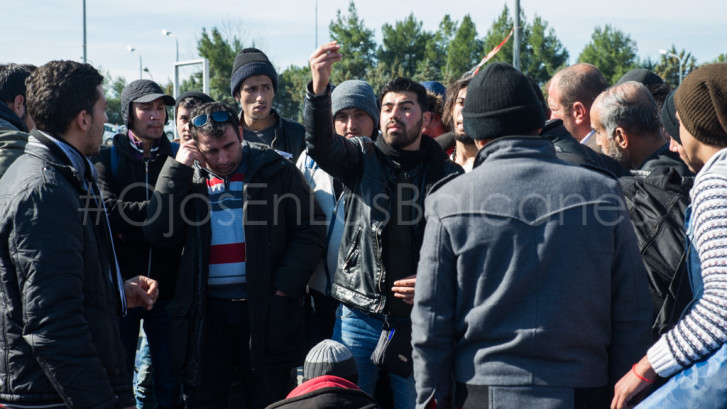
(385, 183)
(61, 288)
(252, 234)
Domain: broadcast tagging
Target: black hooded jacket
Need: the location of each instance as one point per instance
(127, 190)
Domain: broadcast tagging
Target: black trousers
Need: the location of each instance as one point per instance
(226, 360)
(478, 397)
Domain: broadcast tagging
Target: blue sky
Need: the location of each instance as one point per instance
(37, 31)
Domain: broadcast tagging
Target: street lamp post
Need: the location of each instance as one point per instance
(670, 54)
(170, 34)
(131, 50)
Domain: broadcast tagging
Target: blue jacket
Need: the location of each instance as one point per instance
(529, 275)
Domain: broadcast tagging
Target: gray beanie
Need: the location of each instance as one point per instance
(330, 358)
(355, 94)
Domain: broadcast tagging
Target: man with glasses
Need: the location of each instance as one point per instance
(127, 173)
(252, 234)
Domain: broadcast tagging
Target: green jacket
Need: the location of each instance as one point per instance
(12, 145)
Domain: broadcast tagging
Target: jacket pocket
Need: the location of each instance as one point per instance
(352, 253)
(286, 327)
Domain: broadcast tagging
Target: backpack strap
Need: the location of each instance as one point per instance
(114, 162)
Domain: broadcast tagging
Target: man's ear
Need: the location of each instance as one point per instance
(426, 119)
(580, 113)
(621, 137)
(83, 120)
(18, 105)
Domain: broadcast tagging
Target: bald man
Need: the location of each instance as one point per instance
(571, 93)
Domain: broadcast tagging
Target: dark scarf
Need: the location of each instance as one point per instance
(406, 237)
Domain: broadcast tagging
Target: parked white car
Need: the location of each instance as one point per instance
(169, 129)
(109, 130)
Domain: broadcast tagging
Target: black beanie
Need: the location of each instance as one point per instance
(500, 102)
(249, 62)
(669, 118)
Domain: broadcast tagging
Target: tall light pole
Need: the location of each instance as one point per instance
(146, 70)
(170, 34)
(84, 31)
(516, 43)
(670, 54)
(131, 50)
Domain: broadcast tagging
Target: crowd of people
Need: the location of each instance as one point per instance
(480, 245)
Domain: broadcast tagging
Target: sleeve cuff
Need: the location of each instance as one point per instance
(662, 360)
(311, 96)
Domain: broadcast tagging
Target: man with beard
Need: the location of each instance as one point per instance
(464, 147)
(355, 114)
(385, 183)
(626, 123)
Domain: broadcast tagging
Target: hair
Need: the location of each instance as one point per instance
(402, 84)
(435, 103)
(12, 82)
(580, 83)
(211, 128)
(58, 91)
(452, 92)
(188, 103)
(659, 92)
(630, 106)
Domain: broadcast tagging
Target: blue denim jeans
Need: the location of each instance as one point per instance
(360, 333)
(143, 382)
(167, 391)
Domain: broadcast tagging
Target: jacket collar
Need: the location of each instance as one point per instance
(509, 147)
(9, 118)
(65, 159)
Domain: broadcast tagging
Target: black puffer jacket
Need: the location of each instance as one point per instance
(370, 178)
(60, 336)
(126, 193)
(284, 239)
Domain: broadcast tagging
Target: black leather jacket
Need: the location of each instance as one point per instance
(60, 338)
(370, 178)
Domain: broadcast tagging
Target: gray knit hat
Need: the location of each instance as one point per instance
(355, 94)
(142, 91)
(330, 358)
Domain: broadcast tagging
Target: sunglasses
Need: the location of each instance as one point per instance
(201, 120)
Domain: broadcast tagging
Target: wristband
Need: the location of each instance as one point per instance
(633, 369)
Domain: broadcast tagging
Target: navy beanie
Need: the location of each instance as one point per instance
(249, 62)
(501, 102)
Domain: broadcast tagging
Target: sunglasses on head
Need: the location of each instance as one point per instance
(219, 116)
